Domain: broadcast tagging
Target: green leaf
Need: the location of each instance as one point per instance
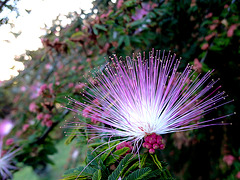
(110, 22)
(95, 31)
(132, 168)
(135, 23)
(120, 41)
(88, 171)
(91, 157)
(106, 154)
(154, 174)
(156, 161)
(130, 3)
(127, 40)
(97, 175)
(101, 27)
(71, 137)
(139, 174)
(122, 166)
(143, 160)
(116, 155)
(77, 34)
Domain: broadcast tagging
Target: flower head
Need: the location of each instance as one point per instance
(140, 97)
(6, 164)
(5, 127)
(6, 158)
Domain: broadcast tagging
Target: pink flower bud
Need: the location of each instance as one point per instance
(161, 146)
(151, 151)
(146, 139)
(144, 145)
(152, 140)
(148, 145)
(159, 139)
(155, 146)
(205, 46)
(121, 145)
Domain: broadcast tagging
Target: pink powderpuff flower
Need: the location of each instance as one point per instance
(145, 96)
(33, 107)
(6, 163)
(6, 157)
(228, 159)
(5, 127)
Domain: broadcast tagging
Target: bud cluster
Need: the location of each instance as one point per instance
(153, 142)
(125, 144)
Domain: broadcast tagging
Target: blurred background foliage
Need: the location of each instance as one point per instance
(204, 33)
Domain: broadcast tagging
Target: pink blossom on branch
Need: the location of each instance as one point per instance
(228, 159)
(5, 127)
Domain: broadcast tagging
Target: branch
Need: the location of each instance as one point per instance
(3, 4)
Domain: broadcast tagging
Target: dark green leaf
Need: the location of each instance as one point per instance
(139, 174)
(116, 155)
(101, 27)
(122, 166)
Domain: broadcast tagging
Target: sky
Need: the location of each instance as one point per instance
(31, 25)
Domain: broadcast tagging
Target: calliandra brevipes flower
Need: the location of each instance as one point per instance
(6, 158)
(140, 97)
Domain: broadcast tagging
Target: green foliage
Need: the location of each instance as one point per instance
(118, 164)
